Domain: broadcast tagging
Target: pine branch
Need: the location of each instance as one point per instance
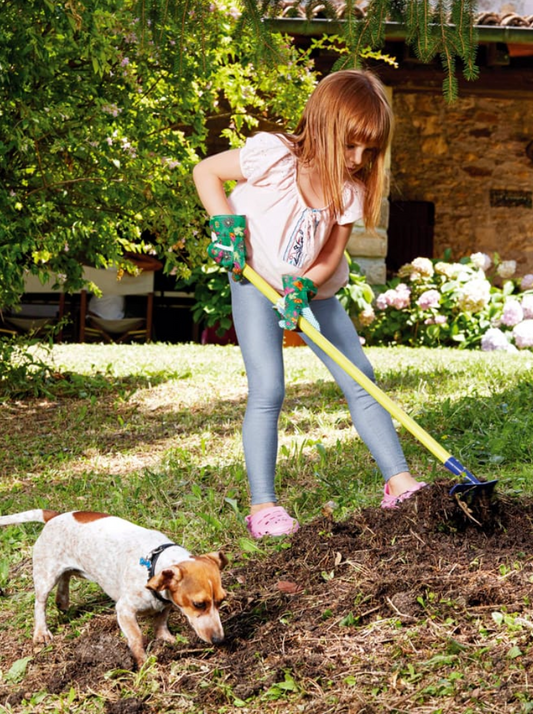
(427, 44)
(378, 11)
(434, 27)
(449, 85)
(356, 35)
(253, 14)
(463, 18)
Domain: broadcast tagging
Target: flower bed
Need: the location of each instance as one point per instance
(477, 302)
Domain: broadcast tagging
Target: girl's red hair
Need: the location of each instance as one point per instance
(346, 107)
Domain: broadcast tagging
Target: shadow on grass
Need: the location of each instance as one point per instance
(196, 444)
(100, 415)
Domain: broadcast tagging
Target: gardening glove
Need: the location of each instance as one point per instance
(295, 302)
(227, 247)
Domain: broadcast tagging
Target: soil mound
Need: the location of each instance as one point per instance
(424, 608)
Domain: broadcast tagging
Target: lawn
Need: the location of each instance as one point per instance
(423, 610)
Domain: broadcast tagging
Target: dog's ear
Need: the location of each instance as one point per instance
(162, 580)
(219, 559)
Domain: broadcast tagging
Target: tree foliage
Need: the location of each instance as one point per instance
(105, 107)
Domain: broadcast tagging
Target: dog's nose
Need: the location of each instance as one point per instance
(217, 639)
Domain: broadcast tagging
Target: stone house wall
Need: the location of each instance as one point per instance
(467, 158)
(456, 156)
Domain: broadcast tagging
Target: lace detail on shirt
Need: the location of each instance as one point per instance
(266, 158)
(302, 237)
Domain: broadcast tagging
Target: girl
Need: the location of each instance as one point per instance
(290, 216)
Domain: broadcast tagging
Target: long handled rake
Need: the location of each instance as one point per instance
(471, 485)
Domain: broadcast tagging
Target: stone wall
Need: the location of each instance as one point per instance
(369, 250)
(457, 156)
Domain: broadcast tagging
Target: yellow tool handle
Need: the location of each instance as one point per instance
(386, 402)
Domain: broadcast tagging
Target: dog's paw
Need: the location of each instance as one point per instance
(164, 636)
(42, 637)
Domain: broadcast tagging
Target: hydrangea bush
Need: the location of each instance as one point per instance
(476, 302)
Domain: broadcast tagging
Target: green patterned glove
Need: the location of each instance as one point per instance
(227, 247)
(295, 302)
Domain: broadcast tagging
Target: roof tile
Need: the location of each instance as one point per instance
(300, 9)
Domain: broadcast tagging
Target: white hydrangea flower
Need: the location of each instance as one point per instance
(421, 268)
(481, 260)
(527, 306)
(512, 312)
(506, 269)
(474, 295)
(495, 340)
(523, 334)
(367, 316)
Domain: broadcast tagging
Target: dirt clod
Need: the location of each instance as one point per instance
(126, 706)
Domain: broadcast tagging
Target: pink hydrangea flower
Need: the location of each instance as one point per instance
(527, 282)
(382, 300)
(512, 313)
(481, 260)
(437, 320)
(495, 340)
(523, 334)
(398, 298)
(402, 296)
(429, 299)
(527, 306)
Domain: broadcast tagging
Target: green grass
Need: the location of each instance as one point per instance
(152, 433)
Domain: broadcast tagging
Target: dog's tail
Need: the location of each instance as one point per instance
(38, 515)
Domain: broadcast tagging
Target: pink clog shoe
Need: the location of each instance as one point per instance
(390, 501)
(274, 521)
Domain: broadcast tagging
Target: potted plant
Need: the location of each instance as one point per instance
(212, 307)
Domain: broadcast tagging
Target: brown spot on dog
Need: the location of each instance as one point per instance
(88, 516)
(219, 559)
(48, 515)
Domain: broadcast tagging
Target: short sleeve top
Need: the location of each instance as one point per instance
(285, 236)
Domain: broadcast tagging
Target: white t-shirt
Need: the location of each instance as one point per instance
(284, 235)
(110, 307)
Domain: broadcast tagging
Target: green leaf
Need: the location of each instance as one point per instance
(17, 671)
(514, 652)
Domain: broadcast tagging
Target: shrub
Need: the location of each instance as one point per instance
(476, 302)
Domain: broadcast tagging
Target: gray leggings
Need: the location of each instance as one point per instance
(261, 339)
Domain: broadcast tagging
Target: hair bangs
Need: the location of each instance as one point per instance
(370, 124)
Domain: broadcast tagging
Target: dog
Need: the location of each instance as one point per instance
(140, 569)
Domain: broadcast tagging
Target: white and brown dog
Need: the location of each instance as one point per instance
(139, 568)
